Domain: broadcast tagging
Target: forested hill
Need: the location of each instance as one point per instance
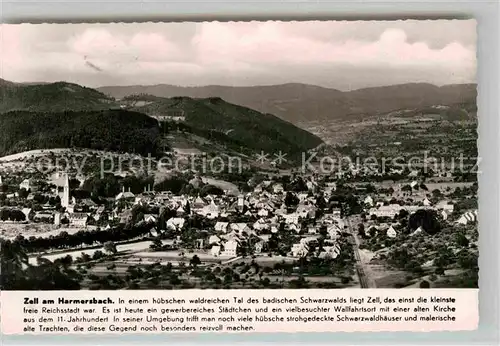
(114, 130)
(52, 97)
(247, 127)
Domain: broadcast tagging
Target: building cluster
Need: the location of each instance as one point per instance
(249, 219)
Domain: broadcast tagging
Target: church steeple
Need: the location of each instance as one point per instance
(65, 199)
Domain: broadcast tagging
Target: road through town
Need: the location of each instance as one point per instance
(362, 269)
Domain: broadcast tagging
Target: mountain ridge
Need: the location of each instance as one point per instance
(304, 103)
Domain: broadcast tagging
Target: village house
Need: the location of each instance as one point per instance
(150, 218)
(333, 231)
(260, 225)
(391, 232)
(215, 250)
(417, 231)
(294, 227)
(125, 196)
(263, 212)
(468, 217)
(330, 252)
(230, 248)
(312, 230)
(175, 223)
(368, 201)
(278, 188)
(445, 205)
(44, 216)
(259, 246)
(28, 213)
(26, 184)
(78, 219)
(210, 211)
(306, 211)
(221, 226)
(291, 218)
(125, 217)
(300, 249)
(214, 240)
(240, 228)
(274, 228)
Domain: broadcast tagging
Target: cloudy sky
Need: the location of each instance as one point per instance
(338, 54)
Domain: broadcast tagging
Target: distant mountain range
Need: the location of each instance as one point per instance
(301, 103)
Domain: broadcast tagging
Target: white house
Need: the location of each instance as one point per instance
(230, 248)
(213, 239)
(426, 202)
(333, 231)
(125, 195)
(263, 212)
(210, 211)
(221, 226)
(259, 247)
(368, 201)
(78, 219)
(294, 227)
(215, 251)
(240, 227)
(417, 231)
(180, 211)
(150, 218)
(25, 184)
(300, 249)
(444, 205)
(391, 232)
(306, 211)
(390, 210)
(331, 252)
(199, 203)
(175, 223)
(260, 224)
(312, 230)
(27, 212)
(468, 217)
(291, 218)
(444, 214)
(278, 188)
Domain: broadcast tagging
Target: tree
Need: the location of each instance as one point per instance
(462, 240)
(436, 193)
(406, 188)
(361, 230)
(291, 199)
(13, 259)
(195, 261)
(23, 193)
(110, 247)
(425, 284)
(211, 190)
(425, 218)
(156, 244)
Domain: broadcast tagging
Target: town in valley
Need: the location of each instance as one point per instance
(237, 187)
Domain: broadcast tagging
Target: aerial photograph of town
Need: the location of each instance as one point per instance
(239, 155)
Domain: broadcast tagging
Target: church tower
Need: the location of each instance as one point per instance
(65, 198)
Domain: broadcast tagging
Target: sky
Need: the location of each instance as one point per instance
(344, 55)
